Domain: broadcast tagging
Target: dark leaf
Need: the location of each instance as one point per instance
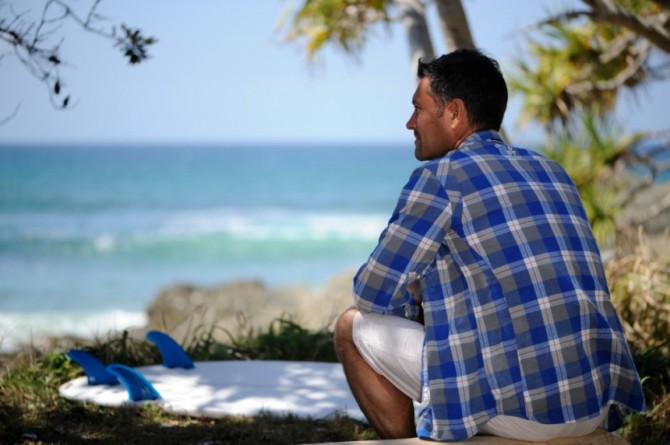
(66, 101)
(57, 87)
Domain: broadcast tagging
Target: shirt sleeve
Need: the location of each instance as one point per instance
(406, 248)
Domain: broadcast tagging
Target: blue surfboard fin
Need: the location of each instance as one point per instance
(96, 372)
(138, 387)
(173, 354)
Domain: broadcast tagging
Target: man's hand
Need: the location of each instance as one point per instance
(414, 288)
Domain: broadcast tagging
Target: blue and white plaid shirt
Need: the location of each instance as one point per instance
(517, 312)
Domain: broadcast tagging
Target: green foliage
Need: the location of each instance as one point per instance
(580, 65)
(651, 427)
(593, 157)
(203, 347)
(286, 340)
(344, 22)
(653, 363)
(125, 349)
(640, 288)
(134, 44)
(41, 377)
(544, 86)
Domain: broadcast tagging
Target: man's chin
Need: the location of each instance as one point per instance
(417, 150)
(420, 154)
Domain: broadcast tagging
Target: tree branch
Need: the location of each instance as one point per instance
(32, 42)
(611, 84)
(10, 116)
(606, 11)
(557, 19)
(87, 23)
(662, 3)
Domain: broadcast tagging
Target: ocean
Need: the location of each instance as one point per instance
(89, 234)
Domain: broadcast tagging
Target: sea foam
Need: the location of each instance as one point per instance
(21, 328)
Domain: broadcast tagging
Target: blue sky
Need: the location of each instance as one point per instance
(220, 73)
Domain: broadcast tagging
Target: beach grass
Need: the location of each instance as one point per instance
(32, 412)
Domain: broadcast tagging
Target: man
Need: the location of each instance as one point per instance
(485, 299)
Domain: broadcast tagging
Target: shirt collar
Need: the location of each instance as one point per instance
(477, 137)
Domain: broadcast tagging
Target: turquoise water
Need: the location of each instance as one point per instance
(90, 233)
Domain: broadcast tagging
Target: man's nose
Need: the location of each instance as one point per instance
(411, 123)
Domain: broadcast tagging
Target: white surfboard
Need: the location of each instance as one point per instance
(222, 388)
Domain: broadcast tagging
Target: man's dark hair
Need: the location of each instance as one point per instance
(473, 77)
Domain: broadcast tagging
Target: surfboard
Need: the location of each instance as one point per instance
(216, 388)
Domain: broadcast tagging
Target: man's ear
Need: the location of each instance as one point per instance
(458, 114)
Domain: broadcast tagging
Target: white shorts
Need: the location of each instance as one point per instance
(393, 347)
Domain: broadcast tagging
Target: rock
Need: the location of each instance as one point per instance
(237, 307)
(328, 302)
(650, 209)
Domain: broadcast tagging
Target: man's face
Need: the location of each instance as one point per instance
(432, 128)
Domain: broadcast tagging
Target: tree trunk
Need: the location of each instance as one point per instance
(413, 16)
(454, 24)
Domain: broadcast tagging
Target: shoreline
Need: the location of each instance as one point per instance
(236, 306)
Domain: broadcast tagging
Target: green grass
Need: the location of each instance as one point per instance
(653, 426)
(32, 412)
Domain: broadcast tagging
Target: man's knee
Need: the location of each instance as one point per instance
(343, 330)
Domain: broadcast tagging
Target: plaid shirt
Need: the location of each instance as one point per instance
(517, 312)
